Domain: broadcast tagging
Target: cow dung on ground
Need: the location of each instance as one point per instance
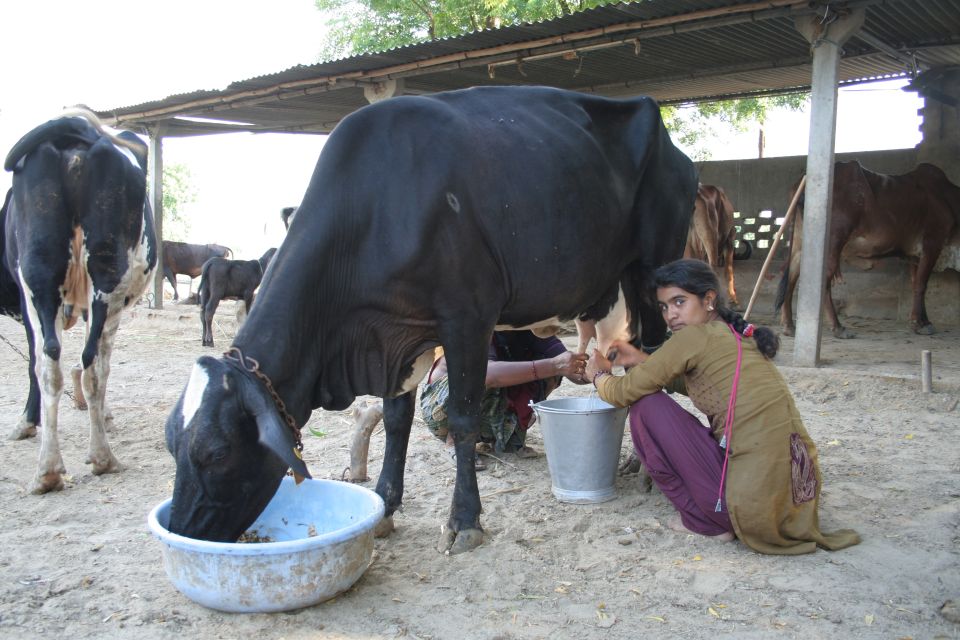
(81, 563)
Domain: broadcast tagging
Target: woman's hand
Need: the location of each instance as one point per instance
(597, 363)
(571, 365)
(627, 354)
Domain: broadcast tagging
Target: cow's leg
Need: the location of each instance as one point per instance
(838, 238)
(652, 328)
(79, 400)
(206, 320)
(728, 272)
(920, 275)
(792, 276)
(50, 468)
(94, 380)
(30, 418)
(365, 421)
(466, 354)
(169, 275)
(397, 420)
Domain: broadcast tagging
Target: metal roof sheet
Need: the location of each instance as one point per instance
(673, 50)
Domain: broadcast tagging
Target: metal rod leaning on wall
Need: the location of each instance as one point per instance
(773, 247)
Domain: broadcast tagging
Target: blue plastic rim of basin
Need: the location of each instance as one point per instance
(338, 511)
(322, 534)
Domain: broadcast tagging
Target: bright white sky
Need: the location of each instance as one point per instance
(111, 53)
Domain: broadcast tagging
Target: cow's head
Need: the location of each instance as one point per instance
(231, 448)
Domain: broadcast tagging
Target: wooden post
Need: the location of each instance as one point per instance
(773, 247)
(926, 371)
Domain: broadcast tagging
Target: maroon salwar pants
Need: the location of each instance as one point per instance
(684, 460)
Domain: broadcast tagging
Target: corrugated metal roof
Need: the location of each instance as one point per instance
(673, 50)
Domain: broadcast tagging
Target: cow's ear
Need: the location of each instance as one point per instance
(274, 434)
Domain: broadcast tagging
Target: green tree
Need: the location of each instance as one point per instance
(695, 126)
(178, 192)
(364, 26)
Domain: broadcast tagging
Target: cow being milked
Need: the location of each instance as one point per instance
(915, 215)
(78, 241)
(429, 221)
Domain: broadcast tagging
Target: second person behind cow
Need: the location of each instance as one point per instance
(520, 368)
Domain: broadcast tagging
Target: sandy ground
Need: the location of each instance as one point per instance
(81, 564)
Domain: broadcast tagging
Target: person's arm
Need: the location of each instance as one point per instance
(678, 355)
(501, 373)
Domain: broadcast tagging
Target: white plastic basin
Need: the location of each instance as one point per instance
(322, 542)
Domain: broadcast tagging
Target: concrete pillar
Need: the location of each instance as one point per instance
(155, 171)
(826, 36)
(383, 90)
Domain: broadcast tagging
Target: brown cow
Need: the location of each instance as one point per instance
(877, 216)
(188, 259)
(712, 233)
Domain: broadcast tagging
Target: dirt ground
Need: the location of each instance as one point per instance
(81, 564)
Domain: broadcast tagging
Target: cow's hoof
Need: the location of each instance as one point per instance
(23, 431)
(106, 464)
(788, 331)
(843, 333)
(384, 527)
(453, 542)
(46, 483)
(925, 330)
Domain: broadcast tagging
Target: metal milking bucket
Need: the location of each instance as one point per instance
(582, 438)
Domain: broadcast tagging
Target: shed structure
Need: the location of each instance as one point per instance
(677, 51)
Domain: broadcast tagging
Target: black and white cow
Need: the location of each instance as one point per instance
(429, 221)
(223, 279)
(78, 241)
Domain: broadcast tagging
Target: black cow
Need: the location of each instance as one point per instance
(223, 279)
(78, 241)
(429, 221)
(188, 259)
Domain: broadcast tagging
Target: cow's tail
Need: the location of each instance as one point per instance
(68, 127)
(203, 291)
(794, 247)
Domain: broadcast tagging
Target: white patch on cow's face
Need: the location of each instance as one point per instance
(193, 396)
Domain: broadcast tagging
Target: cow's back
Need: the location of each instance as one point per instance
(482, 182)
(504, 204)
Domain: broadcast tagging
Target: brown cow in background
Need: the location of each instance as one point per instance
(712, 233)
(876, 216)
(188, 259)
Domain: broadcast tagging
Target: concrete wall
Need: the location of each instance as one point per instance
(759, 184)
(881, 292)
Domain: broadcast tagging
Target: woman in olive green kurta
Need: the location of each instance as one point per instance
(771, 487)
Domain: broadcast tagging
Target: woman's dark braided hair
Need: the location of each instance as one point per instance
(698, 278)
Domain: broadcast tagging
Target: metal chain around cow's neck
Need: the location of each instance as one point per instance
(251, 365)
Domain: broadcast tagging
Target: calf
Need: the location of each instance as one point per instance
(78, 241)
(188, 259)
(223, 279)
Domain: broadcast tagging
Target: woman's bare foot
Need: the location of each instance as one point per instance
(676, 524)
